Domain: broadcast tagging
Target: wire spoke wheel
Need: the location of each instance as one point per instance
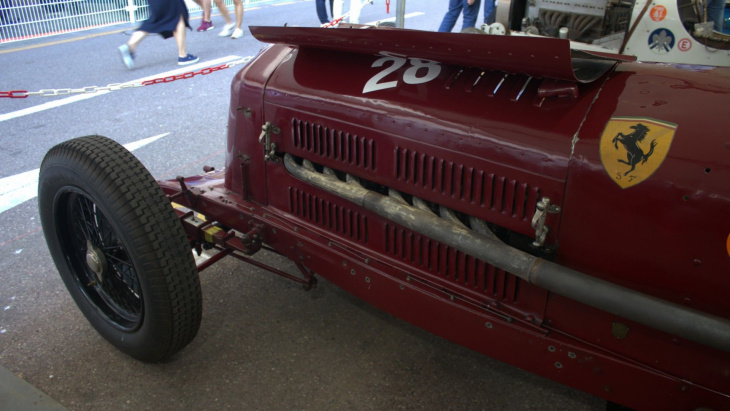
(119, 247)
(101, 265)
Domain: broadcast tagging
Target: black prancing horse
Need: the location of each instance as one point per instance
(634, 153)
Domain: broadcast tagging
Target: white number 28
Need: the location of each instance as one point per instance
(428, 70)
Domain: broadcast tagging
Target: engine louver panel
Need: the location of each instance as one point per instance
(450, 264)
(468, 184)
(330, 216)
(334, 144)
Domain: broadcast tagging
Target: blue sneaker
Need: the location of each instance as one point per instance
(127, 56)
(189, 59)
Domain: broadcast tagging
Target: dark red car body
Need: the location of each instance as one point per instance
(486, 127)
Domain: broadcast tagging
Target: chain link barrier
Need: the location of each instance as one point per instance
(121, 86)
(168, 79)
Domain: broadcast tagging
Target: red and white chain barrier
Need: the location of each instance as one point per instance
(121, 86)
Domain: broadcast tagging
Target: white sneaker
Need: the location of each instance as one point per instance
(127, 56)
(237, 33)
(227, 30)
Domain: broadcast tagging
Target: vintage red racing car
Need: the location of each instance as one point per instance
(566, 212)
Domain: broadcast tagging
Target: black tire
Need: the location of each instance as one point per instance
(119, 247)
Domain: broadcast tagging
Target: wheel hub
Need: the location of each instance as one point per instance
(96, 261)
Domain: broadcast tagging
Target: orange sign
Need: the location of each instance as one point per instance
(658, 13)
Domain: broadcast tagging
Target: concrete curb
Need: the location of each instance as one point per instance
(17, 394)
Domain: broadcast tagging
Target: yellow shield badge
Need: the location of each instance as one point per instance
(633, 148)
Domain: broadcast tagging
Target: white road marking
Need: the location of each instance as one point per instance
(81, 97)
(17, 189)
(407, 16)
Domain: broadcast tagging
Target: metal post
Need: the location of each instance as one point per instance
(131, 9)
(337, 8)
(400, 14)
(355, 6)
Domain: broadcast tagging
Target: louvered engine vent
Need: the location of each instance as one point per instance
(468, 184)
(450, 264)
(336, 145)
(332, 217)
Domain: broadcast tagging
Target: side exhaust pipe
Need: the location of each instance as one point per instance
(644, 309)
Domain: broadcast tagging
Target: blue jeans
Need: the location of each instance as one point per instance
(322, 11)
(455, 8)
(715, 10)
(488, 10)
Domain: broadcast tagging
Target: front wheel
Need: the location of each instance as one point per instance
(119, 247)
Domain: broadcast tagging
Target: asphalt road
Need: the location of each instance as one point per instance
(264, 343)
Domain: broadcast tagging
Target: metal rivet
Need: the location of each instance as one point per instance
(367, 279)
(572, 355)
(558, 365)
(402, 287)
(273, 230)
(488, 324)
(352, 272)
(551, 348)
(344, 262)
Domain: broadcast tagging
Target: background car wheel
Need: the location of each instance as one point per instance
(119, 247)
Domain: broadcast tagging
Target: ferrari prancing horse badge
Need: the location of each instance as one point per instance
(633, 148)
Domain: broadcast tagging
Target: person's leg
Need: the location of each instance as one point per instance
(332, 9)
(127, 50)
(206, 24)
(238, 10)
(452, 14)
(488, 8)
(136, 38)
(715, 9)
(321, 11)
(205, 5)
(179, 35)
(224, 11)
(228, 29)
(471, 13)
(184, 58)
